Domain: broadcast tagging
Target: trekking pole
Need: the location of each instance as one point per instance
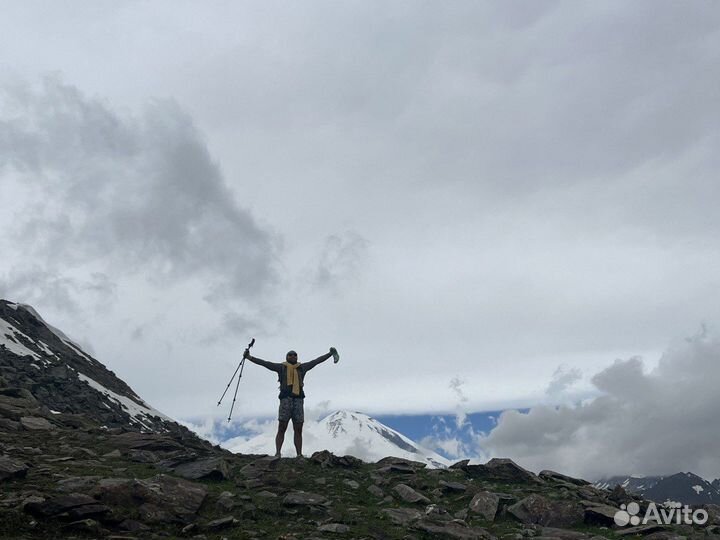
(242, 366)
(242, 362)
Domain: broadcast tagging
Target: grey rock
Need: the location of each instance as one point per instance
(449, 487)
(77, 483)
(601, 514)
(543, 511)
(35, 423)
(159, 499)
(502, 470)
(328, 459)
(304, 498)
(402, 516)
(552, 475)
(338, 528)
(351, 483)
(408, 494)
(60, 504)
(221, 523)
(12, 468)
(374, 490)
(259, 467)
(486, 504)
(204, 469)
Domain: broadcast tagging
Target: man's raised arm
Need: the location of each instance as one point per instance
(272, 366)
(307, 366)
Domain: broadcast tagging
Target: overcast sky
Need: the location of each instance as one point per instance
(511, 195)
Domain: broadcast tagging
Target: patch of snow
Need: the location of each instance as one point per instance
(8, 334)
(698, 489)
(44, 348)
(12, 306)
(35, 366)
(138, 411)
(54, 412)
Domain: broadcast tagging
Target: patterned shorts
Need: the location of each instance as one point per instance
(291, 407)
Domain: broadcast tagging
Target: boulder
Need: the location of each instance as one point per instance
(391, 460)
(600, 514)
(374, 490)
(552, 475)
(486, 504)
(452, 487)
(408, 494)
(221, 523)
(159, 499)
(338, 528)
(12, 468)
(352, 484)
(536, 509)
(327, 459)
(402, 516)
(35, 423)
(304, 498)
(204, 469)
(77, 483)
(260, 467)
(64, 505)
(502, 470)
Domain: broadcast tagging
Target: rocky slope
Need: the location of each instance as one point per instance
(84, 460)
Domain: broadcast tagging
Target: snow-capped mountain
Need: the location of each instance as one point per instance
(686, 488)
(343, 433)
(63, 378)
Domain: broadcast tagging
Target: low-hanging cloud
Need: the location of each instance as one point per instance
(644, 422)
(132, 194)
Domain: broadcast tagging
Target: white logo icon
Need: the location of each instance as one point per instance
(668, 513)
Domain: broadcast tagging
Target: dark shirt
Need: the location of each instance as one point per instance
(281, 370)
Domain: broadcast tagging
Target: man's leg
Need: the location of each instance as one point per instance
(280, 437)
(297, 438)
(298, 418)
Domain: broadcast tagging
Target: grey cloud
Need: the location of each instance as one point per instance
(644, 422)
(341, 260)
(139, 193)
(32, 284)
(562, 379)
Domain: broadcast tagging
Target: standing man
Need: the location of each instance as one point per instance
(290, 376)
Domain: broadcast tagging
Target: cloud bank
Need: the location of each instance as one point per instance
(657, 421)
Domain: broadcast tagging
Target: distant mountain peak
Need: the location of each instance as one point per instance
(684, 487)
(347, 433)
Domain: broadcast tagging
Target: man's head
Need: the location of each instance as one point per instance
(291, 357)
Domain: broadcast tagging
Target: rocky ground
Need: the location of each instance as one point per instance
(65, 477)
